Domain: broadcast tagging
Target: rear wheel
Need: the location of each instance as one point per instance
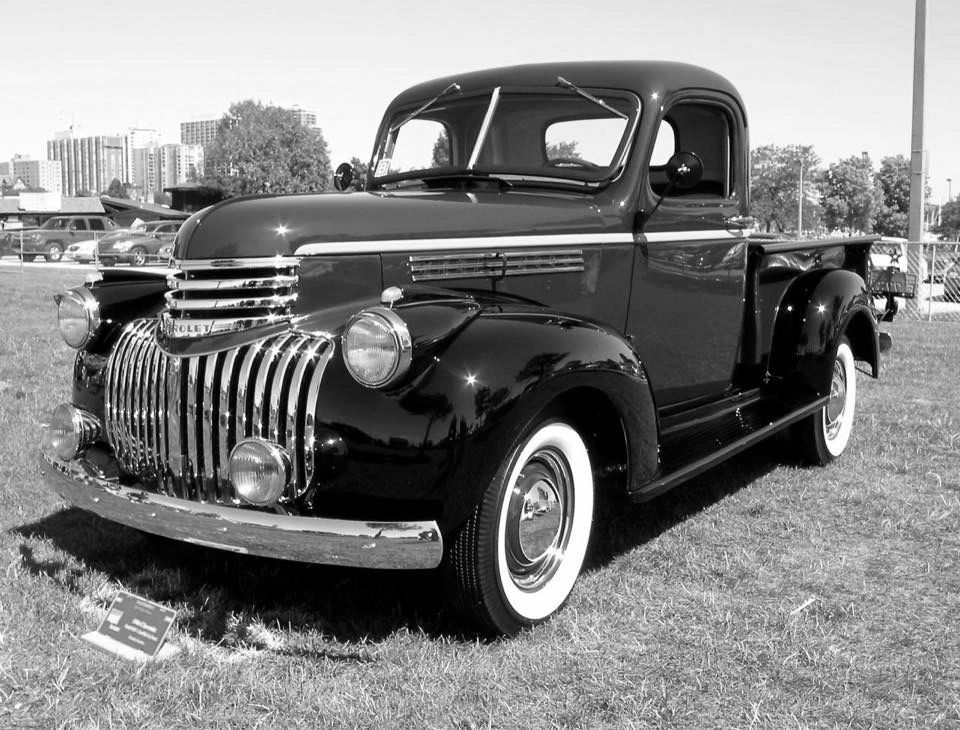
(516, 560)
(138, 256)
(54, 252)
(823, 436)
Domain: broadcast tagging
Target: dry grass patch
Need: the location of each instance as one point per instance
(759, 594)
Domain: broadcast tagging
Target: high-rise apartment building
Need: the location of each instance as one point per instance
(139, 138)
(89, 163)
(160, 166)
(44, 174)
(306, 118)
(201, 132)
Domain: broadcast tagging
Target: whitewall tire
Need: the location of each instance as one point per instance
(516, 560)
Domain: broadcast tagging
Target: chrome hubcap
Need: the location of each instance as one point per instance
(838, 400)
(538, 519)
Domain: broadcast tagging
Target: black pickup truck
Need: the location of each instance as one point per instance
(546, 280)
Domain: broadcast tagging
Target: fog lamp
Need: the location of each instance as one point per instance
(78, 315)
(259, 470)
(377, 348)
(70, 431)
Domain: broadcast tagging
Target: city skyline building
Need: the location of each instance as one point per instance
(164, 165)
(89, 164)
(201, 132)
(43, 174)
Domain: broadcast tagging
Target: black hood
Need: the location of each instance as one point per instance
(279, 225)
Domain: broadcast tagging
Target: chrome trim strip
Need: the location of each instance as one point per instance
(355, 543)
(281, 281)
(163, 410)
(260, 386)
(310, 409)
(192, 467)
(223, 426)
(295, 413)
(242, 430)
(276, 389)
(464, 244)
(261, 262)
(192, 305)
(174, 397)
(209, 424)
(666, 236)
(484, 127)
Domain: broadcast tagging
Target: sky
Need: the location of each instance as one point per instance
(835, 74)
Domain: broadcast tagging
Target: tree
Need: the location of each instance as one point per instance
(264, 149)
(360, 172)
(117, 189)
(441, 151)
(851, 198)
(775, 187)
(563, 150)
(893, 179)
(949, 226)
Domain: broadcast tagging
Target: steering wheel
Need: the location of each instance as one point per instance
(572, 162)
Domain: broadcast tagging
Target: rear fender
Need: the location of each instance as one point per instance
(818, 309)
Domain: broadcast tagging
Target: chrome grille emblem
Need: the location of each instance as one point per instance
(214, 296)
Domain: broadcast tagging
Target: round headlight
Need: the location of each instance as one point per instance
(377, 347)
(259, 470)
(70, 430)
(78, 316)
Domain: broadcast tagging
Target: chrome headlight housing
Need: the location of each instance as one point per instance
(377, 348)
(259, 470)
(78, 316)
(70, 431)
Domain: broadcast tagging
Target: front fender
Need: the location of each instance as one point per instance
(442, 436)
(814, 313)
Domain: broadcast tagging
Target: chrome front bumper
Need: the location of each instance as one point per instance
(410, 545)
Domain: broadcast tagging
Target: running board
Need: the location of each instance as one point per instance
(681, 459)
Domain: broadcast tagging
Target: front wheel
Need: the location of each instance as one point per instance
(823, 436)
(54, 252)
(516, 560)
(138, 256)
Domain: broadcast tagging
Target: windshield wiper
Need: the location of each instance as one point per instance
(417, 112)
(589, 97)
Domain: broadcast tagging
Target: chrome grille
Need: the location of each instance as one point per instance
(173, 421)
(491, 264)
(226, 295)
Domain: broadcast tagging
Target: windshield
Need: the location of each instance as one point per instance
(550, 135)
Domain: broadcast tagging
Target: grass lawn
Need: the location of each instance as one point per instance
(759, 594)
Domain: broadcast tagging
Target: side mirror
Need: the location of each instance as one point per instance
(343, 176)
(684, 170)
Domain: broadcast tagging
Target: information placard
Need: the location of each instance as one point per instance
(134, 628)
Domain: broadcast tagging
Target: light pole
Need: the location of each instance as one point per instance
(949, 189)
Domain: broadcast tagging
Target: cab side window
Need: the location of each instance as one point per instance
(78, 225)
(96, 224)
(705, 129)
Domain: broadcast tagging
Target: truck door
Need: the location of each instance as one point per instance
(686, 307)
(78, 230)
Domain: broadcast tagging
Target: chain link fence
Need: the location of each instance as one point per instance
(932, 270)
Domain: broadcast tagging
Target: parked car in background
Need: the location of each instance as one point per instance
(83, 252)
(139, 245)
(60, 232)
